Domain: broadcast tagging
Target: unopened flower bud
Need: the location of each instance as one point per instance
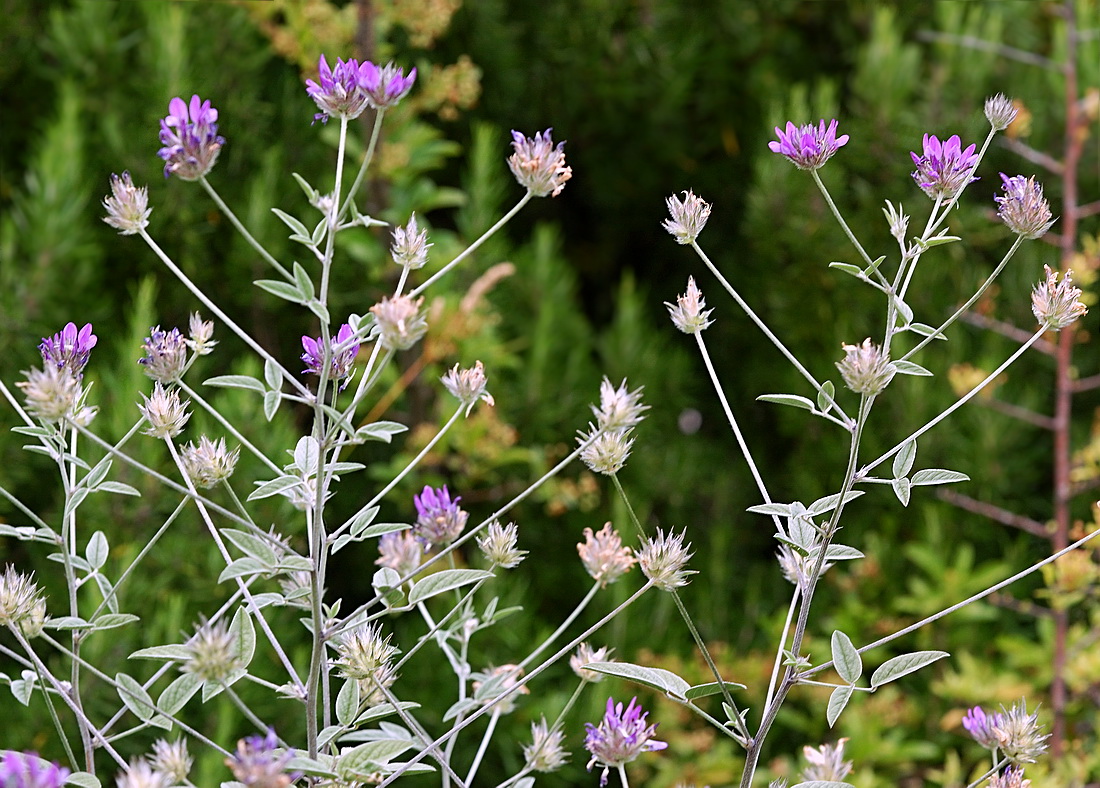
(538, 164)
(583, 656)
(400, 323)
(214, 656)
(619, 408)
(202, 335)
(689, 216)
(898, 220)
(606, 452)
(502, 678)
(1057, 304)
(980, 726)
(363, 652)
(663, 558)
(127, 205)
(865, 368)
(604, 556)
(689, 313)
(164, 412)
(1000, 112)
(468, 385)
(410, 245)
(209, 463)
(1023, 208)
(545, 753)
(20, 601)
(1019, 734)
(499, 545)
(51, 394)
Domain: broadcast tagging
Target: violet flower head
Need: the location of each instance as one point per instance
(620, 737)
(538, 164)
(343, 352)
(340, 93)
(1022, 207)
(946, 168)
(127, 205)
(258, 763)
(165, 356)
(27, 770)
(69, 348)
(385, 87)
(190, 137)
(808, 147)
(400, 551)
(439, 519)
(980, 726)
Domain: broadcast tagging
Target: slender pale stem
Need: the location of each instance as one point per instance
(622, 776)
(367, 158)
(561, 627)
(243, 231)
(840, 219)
(779, 651)
(482, 746)
(333, 219)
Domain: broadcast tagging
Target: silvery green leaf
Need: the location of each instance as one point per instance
(97, 474)
(837, 701)
(296, 226)
(658, 678)
(271, 404)
(135, 697)
(460, 707)
(77, 562)
(170, 651)
(20, 532)
(243, 632)
(784, 539)
(710, 688)
(107, 590)
(34, 432)
(97, 550)
(118, 488)
(897, 667)
(319, 309)
(829, 502)
(781, 509)
(34, 449)
(902, 489)
(176, 694)
(925, 330)
(283, 290)
(938, 240)
(113, 620)
(347, 703)
(344, 467)
(904, 459)
(385, 584)
(846, 659)
(77, 498)
(311, 193)
(874, 265)
(342, 541)
(21, 689)
(909, 368)
(295, 563)
(841, 552)
(848, 268)
(273, 376)
(380, 431)
(938, 476)
(274, 487)
(526, 782)
(447, 580)
(362, 519)
(306, 453)
(825, 395)
(328, 734)
(236, 382)
(83, 780)
(383, 710)
(319, 232)
(793, 400)
(802, 532)
(251, 545)
(904, 310)
(271, 598)
(67, 622)
(364, 759)
(211, 689)
(242, 567)
(321, 766)
(301, 278)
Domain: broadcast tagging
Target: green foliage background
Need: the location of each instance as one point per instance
(653, 97)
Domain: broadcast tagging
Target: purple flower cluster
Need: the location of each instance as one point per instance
(439, 519)
(190, 137)
(165, 356)
(349, 88)
(620, 737)
(258, 763)
(808, 147)
(69, 348)
(342, 349)
(980, 726)
(1022, 207)
(27, 770)
(945, 168)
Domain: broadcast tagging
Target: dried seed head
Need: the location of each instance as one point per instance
(127, 206)
(584, 655)
(663, 558)
(164, 412)
(865, 368)
(538, 164)
(468, 385)
(499, 545)
(52, 394)
(545, 753)
(689, 216)
(690, 313)
(1019, 734)
(400, 323)
(604, 556)
(826, 762)
(214, 655)
(410, 245)
(1000, 112)
(1056, 304)
(209, 463)
(363, 652)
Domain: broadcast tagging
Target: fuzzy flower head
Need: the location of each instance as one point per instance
(468, 385)
(52, 394)
(663, 558)
(980, 726)
(400, 551)
(385, 87)
(620, 737)
(498, 544)
(165, 356)
(410, 245)
(210, 463)
(340, 93)
(945, 168)
(585, 655)
(604, 556)
(690, 313)
(190, 138)
(342, 349)
(400, 322)
(1019, 734)
(172, 759)
(201, 339)
(141, 774)
(259, 763)
(127, 205)
(164, 412)
(538, 164)
(27, 770)
(865, 368)
(619, 408)
(826, 762)
(606, 452)
(1012, 777)
(214, 654)
(689, 216)
(1056, 304)
(21, 603)
(545, 753)
(1023, 208)
(363, 652)
(808, 147)
(439, 519)
(1000, 112)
